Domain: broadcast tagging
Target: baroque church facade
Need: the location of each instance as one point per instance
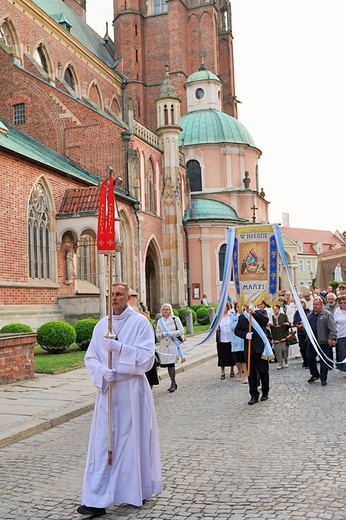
(162, 117)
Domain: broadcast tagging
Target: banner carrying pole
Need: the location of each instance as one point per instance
(249, 347)
(106, 245)
(110, 362)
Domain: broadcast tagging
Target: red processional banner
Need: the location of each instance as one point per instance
(106, 217)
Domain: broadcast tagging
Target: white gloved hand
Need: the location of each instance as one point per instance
(113, 345)
(251, 307)
(249, 335)
(108, 374)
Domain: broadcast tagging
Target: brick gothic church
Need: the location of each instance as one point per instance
(156, 102)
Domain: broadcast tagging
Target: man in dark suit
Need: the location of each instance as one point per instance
(257, 363)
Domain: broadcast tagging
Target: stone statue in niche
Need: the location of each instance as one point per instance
(69, 266)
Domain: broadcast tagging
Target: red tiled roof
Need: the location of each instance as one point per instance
(309, 237)
(338, 252)
(80, 200)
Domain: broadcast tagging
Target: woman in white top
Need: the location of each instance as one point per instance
(224, 343)
(340, 319)
(238, 345)
(168, 329)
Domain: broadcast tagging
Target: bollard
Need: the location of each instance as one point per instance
(211, 314)
(189, 322)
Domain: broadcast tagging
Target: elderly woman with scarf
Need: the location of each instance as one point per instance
(169, 328)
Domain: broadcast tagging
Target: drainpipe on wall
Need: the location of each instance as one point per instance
(187, 265)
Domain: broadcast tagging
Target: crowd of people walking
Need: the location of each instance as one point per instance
(121, 359)
(320, 348)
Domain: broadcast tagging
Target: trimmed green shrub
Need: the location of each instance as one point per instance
(15, 328)
(182, 315)
(175, 312)
(56, 336)
(196, 307)
(84, 330)
(203, 315)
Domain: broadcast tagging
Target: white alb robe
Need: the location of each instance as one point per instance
(135, 474)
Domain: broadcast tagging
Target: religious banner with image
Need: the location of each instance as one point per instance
(255, 264)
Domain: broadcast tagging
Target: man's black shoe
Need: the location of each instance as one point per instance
(253, 400)
(91, 511)
(313, 379)
(324, 383)
(264, 397)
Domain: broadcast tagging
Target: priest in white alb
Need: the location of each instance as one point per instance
(135, 472)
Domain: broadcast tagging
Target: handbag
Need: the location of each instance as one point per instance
(180, 338)
(291, 339)
(157, 360)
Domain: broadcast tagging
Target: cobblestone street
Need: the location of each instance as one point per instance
(221, 459)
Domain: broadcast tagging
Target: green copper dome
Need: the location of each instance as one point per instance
(206, 209)
(211, 126)
(202, 75)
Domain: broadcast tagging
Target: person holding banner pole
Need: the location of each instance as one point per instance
(254, 350)
(135, 472)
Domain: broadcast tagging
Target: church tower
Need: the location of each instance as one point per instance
(147, 35)
(168, 121)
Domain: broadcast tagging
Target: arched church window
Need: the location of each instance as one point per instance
(150, 187)
(222, 257)
(41, 58)
(172, 115)
(94, 95)
(5, 35)
(87, 268)
(69, 78)
(39, 236)
(194, 175)
(160, 6)
(165, 114)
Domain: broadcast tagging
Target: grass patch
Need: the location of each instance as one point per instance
(73, 357)
(197, 329)
(46, 363)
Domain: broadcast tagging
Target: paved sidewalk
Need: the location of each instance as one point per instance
(31, 407)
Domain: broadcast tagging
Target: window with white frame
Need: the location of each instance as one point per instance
(19, 114)
(160, 6)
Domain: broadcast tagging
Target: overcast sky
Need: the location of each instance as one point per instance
(289, 75)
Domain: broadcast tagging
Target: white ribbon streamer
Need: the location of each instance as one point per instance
(302, 314)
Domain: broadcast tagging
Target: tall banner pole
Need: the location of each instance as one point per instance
(106, 245)
(110, 361)
(249, 347)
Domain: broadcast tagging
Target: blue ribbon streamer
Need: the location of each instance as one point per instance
(224, 286)
(175, 340)
(268, 351)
